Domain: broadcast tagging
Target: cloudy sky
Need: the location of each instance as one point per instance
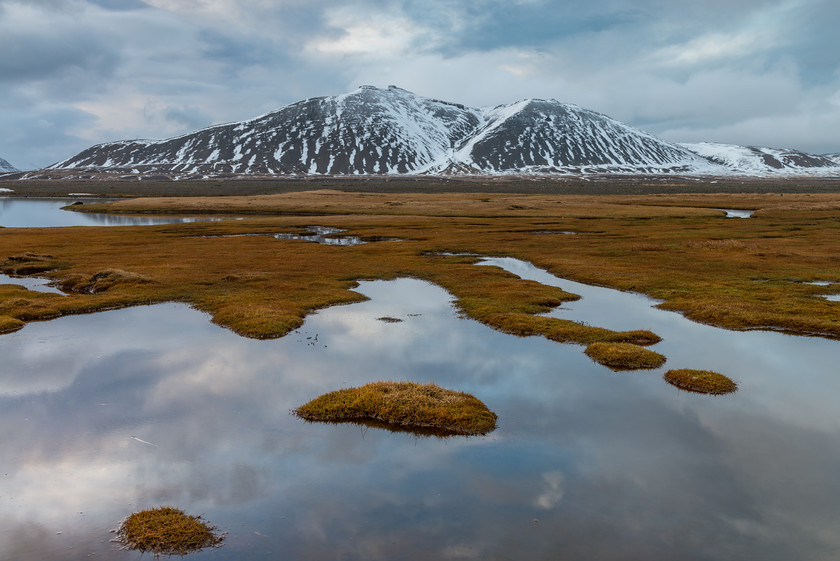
(79, 72)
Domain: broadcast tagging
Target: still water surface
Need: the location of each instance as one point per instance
(108, 413)
(37, 213)
(30, 283)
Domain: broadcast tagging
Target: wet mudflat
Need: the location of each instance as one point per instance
(109, 413)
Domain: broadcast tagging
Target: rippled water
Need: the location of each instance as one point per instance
(108, 413)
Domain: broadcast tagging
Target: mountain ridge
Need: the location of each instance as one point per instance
(373, 131)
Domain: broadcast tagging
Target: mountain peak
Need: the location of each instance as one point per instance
(6, 167)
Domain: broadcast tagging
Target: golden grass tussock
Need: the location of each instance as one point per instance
(406, 405)
(718, 245)
(167, 531)
(562, 330)
(256, 321)
(101, 281)
(9, 324)
(701, 381)
(28, 309)
(28, 264)
(624, 356)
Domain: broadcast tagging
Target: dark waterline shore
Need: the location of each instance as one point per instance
(524, 185)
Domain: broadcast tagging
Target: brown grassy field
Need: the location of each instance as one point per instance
(734, 273)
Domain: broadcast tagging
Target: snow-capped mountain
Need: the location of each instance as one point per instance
(6, 167)
(373, 131)
(760, 161)
(834, 158)
(538, 136)
(393, 131)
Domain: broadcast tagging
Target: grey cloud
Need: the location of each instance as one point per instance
(190, 117)
(36, 137)
(120, 5)
(46, 56)
(183, 65)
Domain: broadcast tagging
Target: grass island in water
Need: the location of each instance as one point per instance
(167, 531)
(701, 381)
(624, 356)
(404, 405)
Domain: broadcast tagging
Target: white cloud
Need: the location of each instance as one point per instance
(380, 36)
(712, 47)
(762, 31)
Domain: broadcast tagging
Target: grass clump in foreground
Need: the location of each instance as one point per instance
(427, 408)
(701, 381)
(624, 356)
(167, 531)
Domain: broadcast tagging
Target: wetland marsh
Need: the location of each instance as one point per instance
(104, 414)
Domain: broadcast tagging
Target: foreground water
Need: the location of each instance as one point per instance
(105, 414)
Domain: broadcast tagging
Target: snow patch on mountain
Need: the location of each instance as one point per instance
(6, 167)
(765, 162)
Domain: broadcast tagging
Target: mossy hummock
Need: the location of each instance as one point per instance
(701, 381)
(167, 531)
(404, 405)
(624, 356)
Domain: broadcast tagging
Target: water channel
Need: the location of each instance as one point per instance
(108, 413)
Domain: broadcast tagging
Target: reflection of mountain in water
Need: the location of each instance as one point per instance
(37, 213)
(123, 220)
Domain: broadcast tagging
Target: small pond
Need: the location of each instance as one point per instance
(31, 283)
(737, 213)
(36, 213)
(109, 413)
